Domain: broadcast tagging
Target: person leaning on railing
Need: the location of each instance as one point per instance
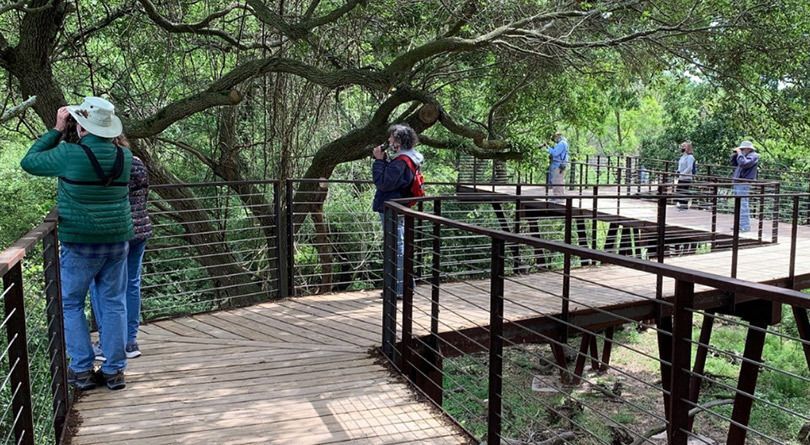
(138, 194)
(393, 179)
(95, 226)
(745, 160)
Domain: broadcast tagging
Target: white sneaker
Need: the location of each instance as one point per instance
(133, 350)
(98, 353)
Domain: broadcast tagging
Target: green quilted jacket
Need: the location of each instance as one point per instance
(87, 213)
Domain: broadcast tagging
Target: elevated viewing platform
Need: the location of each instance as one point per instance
(265, 323)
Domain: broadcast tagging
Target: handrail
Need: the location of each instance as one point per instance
(777, 294)
(17, 251)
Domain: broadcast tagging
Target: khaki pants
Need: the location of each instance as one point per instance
(557, 179)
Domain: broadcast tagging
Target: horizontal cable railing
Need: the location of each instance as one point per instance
(471, 336)
(214, 246)
(34, 396)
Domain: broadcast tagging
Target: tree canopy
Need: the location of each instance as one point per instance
(208, 87)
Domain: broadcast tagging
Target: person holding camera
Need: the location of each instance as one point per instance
(393, 179)
(558, 162)
(686, 171)
(746, 161)
(95, 226)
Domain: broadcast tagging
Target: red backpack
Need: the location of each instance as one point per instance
(417, 185)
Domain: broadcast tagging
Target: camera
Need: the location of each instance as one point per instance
(384, 146)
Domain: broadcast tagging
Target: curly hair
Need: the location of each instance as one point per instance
(405, 135)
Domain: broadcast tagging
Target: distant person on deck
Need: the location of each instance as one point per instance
(746, 161)
(558, 162)
(95, 226)
(393, 178)
(686, 171)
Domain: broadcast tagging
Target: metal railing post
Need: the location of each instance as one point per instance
(628, 164)
(18, 356)
(681, 363)
(735, 244)
(595, 219)
(407, 296)
(389, 312)
(516, 248)
(598, 167)
(793, 242)
(419, 255)
(618, 191)
(777, 204)
(436, 271)
(566, 286)
(495, 343)
(56, 332)
(715, 191)
(661, 243)
(281, 246)
(761, 225)
(290, 238)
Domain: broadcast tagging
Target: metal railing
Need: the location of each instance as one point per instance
(469, 343)
(227, 244)
(34, 396)
(215, 246)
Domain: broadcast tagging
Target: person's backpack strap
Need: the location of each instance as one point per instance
(103, 179)
(409, 163)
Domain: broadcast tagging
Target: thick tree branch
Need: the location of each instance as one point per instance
(113, 15)
(179, 110)
(471, 150)
(18, 110)
(332, 16)
(367, 78)
(479, 138)
(199, 28)
(405, 62)
(22, 6)
(503, 100)
(299, 31)
(189, 149)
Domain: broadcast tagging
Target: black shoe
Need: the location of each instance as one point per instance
(83, 381)
(114, 381)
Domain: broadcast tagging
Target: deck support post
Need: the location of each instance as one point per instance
(747, 383)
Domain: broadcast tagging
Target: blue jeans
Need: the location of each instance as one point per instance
(134, 261)
(106, 270)
(400, 251)
(745, 216)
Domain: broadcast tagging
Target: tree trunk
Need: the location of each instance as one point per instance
(234, 284)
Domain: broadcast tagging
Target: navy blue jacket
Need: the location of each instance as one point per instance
(392, 179)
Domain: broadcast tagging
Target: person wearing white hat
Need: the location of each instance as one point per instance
(745, 160)
(95, 226)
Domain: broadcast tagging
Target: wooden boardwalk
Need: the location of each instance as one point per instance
(292, 372)
(299, 371)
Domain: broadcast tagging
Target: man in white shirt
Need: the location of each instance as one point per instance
(686, 171)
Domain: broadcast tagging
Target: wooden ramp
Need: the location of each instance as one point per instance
(293, 372)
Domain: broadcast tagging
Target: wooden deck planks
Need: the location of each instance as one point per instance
(282, 372)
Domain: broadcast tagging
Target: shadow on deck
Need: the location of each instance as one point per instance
(297, 371)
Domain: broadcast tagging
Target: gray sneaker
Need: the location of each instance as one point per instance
(98, 352)
(115, 381)
(133, 351)
(82, 381)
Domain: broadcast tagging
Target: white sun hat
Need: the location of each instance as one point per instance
(97, 116)
(747, 144)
